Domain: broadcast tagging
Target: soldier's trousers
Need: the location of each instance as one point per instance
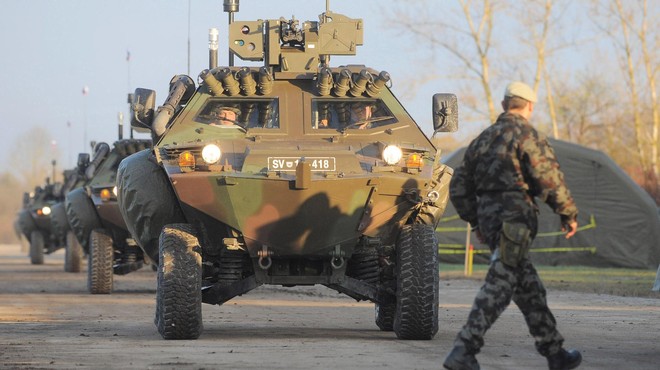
(523, 285)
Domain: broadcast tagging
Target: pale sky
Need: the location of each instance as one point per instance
(51, 50)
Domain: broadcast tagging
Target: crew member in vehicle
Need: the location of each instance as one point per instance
(493, 189)
(224, 116)
(360, 115)
(324, 115)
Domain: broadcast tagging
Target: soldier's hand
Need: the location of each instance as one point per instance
(570, 229)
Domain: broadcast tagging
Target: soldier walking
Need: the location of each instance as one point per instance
(504, 169)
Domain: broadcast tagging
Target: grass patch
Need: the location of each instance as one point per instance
(615, 281)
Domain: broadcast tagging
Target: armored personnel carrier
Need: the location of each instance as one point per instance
(73, 179)
(35, 221)
(95, 220)
(293, 173)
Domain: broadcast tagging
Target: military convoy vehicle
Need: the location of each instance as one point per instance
(95, 219)
(293, 173)
(35, 221)
(73, 255)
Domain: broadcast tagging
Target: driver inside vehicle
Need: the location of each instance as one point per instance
(224, 116)
(361, 115)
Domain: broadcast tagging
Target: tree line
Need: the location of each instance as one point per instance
(593, 63)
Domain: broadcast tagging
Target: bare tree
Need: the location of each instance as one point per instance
(539, 42)
(33, 165)
(650, 61)
(627, 26)
(466, 35)
(587, 107)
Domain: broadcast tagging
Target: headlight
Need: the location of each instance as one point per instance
(105, 195)
(392, 154)
(187, 160)
(45, 210)
(114, 191)
(211, 153)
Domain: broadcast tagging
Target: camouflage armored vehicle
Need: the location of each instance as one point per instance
(95, 220)
(73, 179)
(35, 221)
(294, 173)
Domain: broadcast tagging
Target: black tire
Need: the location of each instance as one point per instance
(179, 292)
(100, 260)
(417, 291)
(82, 216)
(146, 200)
(37, 247)
(385, 316)
(73, 254)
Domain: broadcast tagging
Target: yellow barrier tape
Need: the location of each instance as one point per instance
(461, 250)
(450, 229)
(450, 218)
(590, 225)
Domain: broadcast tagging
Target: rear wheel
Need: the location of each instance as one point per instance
(73, 254)
(385, 316)
(418, 280)
(179, 292)
(100, 260)
(36, 247)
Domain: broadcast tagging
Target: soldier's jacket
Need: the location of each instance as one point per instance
(504, 168)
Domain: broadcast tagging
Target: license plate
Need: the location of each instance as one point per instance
(290, 163)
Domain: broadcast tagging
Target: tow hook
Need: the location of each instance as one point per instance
(338, 259)
(264, 258)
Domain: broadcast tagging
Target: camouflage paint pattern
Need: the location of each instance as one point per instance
(105, 178)
(356, 198)
(502, 284)
(503, 169)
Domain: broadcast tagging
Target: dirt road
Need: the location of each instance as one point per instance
(48, 321)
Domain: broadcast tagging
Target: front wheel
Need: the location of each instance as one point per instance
(100, 260)
(37, 248)
(179, 292)
(73, 254)
(418, 279)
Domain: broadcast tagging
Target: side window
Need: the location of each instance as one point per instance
(240, 113)
(350, 114)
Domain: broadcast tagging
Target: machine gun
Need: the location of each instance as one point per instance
(285, 46)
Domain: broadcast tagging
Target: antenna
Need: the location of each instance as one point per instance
(231, 7)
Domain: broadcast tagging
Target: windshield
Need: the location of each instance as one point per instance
(239, 113)
(348, 115)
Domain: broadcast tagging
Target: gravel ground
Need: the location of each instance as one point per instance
(49, 321)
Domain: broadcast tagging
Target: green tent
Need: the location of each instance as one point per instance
(619, 223)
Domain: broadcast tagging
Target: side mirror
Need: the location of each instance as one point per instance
(445, 113)
(83, 162)
(142, 108)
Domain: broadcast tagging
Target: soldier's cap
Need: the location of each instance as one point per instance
(520, 90)
(227, 107)
(361, 105)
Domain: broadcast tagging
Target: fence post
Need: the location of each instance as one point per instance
(469, 252)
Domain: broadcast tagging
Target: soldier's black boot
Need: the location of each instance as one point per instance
(564, 360)
(461, 359)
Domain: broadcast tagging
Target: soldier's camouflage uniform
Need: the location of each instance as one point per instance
(504, 168)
